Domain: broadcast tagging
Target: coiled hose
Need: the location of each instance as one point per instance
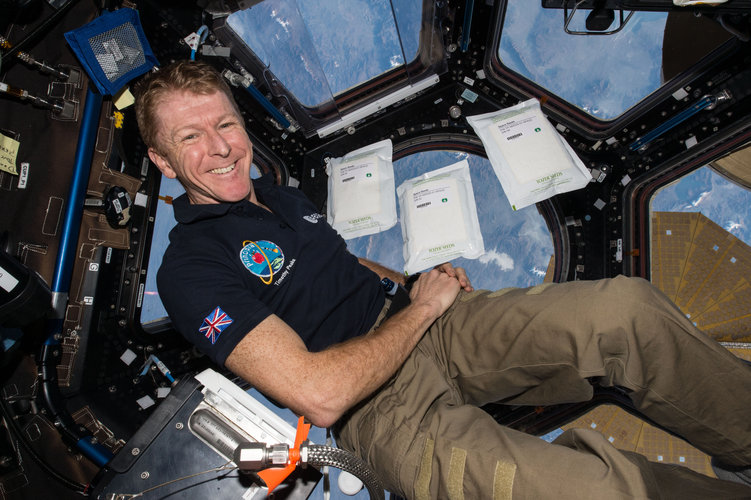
(320, 455)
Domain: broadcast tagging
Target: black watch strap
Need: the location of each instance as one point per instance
(410, 280)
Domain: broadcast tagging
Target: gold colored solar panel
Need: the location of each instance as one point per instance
(729, 319)
(671, 241)
(731, 267)
(706, 271)
(597, 418)
(550, 270)
(659, 446)
(630, 433)
(708, 248)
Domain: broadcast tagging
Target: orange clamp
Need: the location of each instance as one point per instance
(273, 477)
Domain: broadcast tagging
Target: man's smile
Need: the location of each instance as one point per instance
(223, 170)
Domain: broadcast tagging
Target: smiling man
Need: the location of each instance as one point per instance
(256, 279)
(200, 139)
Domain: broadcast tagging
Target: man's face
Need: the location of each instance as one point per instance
(203, 143)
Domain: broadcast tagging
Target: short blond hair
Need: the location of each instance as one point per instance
(182, 76)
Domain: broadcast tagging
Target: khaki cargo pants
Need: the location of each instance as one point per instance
(426, 438)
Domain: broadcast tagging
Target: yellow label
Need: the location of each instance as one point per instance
(8, 153)
(124, 98)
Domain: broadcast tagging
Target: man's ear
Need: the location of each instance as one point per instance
(162, 164)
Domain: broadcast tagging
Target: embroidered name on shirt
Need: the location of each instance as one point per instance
(286, 272)
(214, 324)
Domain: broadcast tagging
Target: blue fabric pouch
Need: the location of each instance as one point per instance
(112, 49)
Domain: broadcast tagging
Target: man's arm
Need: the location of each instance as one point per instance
(382, 271)
(323, 385)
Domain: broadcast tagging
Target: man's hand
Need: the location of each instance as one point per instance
(456, 272)
(435, 289)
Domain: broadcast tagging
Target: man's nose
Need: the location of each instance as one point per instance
(218, 144)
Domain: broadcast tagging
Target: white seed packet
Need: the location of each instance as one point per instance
(439, 218)
(361, 197)
(532, 161)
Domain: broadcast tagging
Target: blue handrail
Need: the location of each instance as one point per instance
(76, 196)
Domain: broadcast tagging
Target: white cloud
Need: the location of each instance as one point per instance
(282, 22)
(538, 272)
(502, 260)
(697, 201)
(732, 226)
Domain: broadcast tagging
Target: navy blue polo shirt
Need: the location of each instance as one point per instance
(230, 265)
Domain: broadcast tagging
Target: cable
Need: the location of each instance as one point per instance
(226, 466)
(201, 33)
(342, 459)
(18, 432)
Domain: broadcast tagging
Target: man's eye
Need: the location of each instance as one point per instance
(226, 124)
(189, 137)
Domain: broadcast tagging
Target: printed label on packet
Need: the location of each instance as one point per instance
(432, 196)
(514, 129)
(357, 172)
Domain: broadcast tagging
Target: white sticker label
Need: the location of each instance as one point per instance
(357, 172)
(193, 40)
(516, 129)
(7, 281)
(23, 176)
(145, 166)
(680, 94)
(141, 200)
(619, 250)
(145, 402)
(128, 357)
(433, 196)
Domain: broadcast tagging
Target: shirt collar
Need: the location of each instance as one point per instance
(187, 212)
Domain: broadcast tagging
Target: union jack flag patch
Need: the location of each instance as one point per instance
(214, 324)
